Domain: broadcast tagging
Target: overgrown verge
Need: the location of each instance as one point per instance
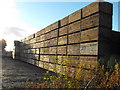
(103, 77)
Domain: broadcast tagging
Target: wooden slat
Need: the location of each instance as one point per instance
(88, 62)
(76, 26)
(74, 38)
(73, 49)
(90, 21)
(63, 30)
(75, 16)
(61, 50)
(52, 50)
(89, 48)
(64, 21)
(62, 40)
(90, 34)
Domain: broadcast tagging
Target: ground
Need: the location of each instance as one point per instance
(15, 73)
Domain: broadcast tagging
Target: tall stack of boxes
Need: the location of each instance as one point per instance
(79, 39)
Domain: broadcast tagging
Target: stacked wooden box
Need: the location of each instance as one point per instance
(79, 39)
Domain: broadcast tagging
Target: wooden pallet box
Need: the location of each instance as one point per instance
(52, 67)
(61, 50)
(74, 38)
(63, 30)
(62, 40)
(64, 21)
(90, 9)
(52, 58)
(52, 50)
(73, 61)
(46, 66)
(76, 26)
(40, 64)
(90, 21)
(90, 34)
(46, 43)
(105, 20)
(54, 33)
(62, 60)
(89, 62)
(73, 49)
(89, 48)
(55, 25)
(44, 58)
(53, 42)
(75, 16)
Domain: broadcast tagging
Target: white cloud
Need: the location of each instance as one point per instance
(12, 27)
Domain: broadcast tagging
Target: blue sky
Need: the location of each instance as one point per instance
(20, 18)
(41, 14)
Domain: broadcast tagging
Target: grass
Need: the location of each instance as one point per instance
(100, 77)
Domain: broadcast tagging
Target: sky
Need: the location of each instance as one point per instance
(20, 18)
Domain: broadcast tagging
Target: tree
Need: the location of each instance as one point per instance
(2, 45)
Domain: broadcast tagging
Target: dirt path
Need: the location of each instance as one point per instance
(15, 73)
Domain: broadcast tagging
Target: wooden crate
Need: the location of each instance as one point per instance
(53, 42)
(47, 36)
(106, 7)
(73, 61)
(42, 50)
(37, 51)
(105, 48)
(60, 69)
(52, 58)
(52, 50)
(89, 48)
(52, 67)
(54, 25)
(48, 28)
(88, 62)
(90, 34)
(73, 49)
(105, 20)
(90, 9)
(61, 49)
(44, 58)
(89, 22)
(40, 64)
(36, 57)
(46, 50)
(46, 43)
(76, 26)
(75, 16)
(62, 40)
(36, 63)
(46, 66)
(63, 30)
(70, 71)
(54, 33)
(62, 60)
(74, 38)
(41, 44)
(106, 34)
(40, 33)
(64, 21)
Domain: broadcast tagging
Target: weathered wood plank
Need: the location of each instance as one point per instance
(63, 30)
(74, 38)
(73, 49)
(62, 40)
(75, 16)
(89, 48)
(90, 34)
(61, 50)
(76, 26)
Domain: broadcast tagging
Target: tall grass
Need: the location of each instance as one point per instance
(102, 77)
